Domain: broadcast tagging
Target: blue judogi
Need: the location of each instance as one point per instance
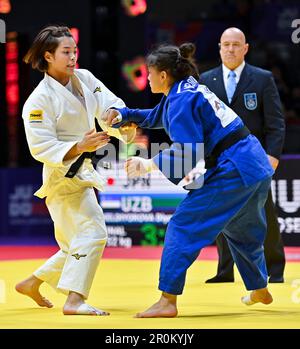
(234, 191)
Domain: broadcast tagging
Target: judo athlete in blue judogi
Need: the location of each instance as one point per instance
(235, 186)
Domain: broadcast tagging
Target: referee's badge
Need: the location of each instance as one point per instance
(250, 100)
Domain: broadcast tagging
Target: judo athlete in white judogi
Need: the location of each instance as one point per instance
(229, 198)
(59, 118)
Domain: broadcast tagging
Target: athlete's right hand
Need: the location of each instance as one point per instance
(92, 141)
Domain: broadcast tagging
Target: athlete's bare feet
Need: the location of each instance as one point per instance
(258, 296)
(165, 307)
(30, 287)
(75, 306)
(84, 309)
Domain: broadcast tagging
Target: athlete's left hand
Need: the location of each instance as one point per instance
(111, 117)
(137, 166)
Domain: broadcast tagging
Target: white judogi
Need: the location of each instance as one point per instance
(55, 120)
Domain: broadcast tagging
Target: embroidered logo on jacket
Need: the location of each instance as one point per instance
(97, 89)
(36, 116)
(250, 100)
(190, 83)
(78, 256)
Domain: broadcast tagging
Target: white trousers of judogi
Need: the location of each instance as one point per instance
(81, 234)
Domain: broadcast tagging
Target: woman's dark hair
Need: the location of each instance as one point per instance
(176, 61)
(46, 40)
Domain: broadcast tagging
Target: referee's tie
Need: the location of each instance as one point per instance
(231, 85)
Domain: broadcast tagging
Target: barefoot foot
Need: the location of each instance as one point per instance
(83, 309)
(158, 311)
(258, 296)
(30, 288)
(165, 307)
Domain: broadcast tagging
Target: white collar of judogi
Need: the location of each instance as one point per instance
(82, 90)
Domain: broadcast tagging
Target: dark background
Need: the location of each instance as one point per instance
(109, 37)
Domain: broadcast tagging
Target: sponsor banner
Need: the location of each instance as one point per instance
(141, 208)
(136, 211)
(286, 196)
(22, 214)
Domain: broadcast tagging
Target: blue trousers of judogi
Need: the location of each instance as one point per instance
(223, 204)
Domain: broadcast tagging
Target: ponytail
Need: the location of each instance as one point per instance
(176, 61)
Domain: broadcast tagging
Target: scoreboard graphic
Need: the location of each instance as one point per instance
(138, 210)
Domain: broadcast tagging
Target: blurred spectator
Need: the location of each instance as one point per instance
(281, 84)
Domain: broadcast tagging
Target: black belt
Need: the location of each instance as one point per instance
(95, 159)
(225, 143)
(88, 155)
(76, 165)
